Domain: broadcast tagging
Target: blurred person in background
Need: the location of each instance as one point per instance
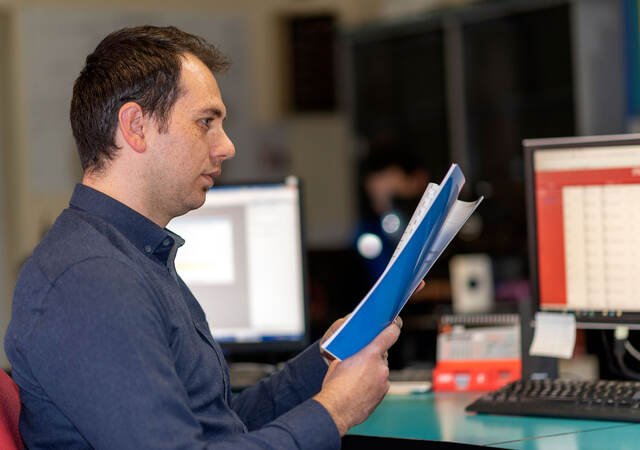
(393, 182)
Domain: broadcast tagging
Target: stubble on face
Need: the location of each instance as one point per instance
(189, 153)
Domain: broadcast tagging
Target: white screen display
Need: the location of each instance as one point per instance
(242, 259)
(587, 215)
(207, 257)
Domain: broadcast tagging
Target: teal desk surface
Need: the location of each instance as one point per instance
(441, 417)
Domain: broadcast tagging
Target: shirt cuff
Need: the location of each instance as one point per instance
(311, 426)
(310, 369)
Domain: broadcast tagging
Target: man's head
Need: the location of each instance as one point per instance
(141, 65)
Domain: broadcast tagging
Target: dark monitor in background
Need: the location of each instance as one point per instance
(243, 260)
(583, 207)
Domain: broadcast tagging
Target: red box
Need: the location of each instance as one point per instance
(475, 375)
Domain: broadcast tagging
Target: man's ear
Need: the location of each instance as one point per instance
(131, 121)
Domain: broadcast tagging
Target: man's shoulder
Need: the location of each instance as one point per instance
(79, 257)
(75, 237)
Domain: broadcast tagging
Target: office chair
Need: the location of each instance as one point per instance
(9, 413)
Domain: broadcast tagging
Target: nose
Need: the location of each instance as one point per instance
(224, 148)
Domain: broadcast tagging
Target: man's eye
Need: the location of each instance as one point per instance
(206, 121)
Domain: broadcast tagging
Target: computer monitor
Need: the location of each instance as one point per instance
(243, 260)
(583, 204)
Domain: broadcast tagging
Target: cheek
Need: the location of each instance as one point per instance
(187, 152)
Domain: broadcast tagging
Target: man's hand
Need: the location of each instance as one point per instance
(338, 323)
(332, 329)
(353, 388)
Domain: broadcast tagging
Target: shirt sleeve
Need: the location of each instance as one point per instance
(101, 354)
(300, 379)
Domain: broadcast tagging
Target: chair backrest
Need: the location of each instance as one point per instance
(9, 413)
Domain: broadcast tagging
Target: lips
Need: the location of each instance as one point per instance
(211, 176)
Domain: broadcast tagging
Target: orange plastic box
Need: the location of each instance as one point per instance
(475, 375)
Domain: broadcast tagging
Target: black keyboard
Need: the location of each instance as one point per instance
(599, 400)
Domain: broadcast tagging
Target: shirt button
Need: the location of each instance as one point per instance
(147, 248)
(166, 242)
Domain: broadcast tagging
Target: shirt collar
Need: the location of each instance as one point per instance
(149, 238)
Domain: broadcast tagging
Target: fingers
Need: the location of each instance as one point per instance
(339, 322)
(398, 321)
(334, 326)
(332, 329)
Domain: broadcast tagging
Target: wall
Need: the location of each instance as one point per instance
(38, 165)
(43, 162)
(42, 46)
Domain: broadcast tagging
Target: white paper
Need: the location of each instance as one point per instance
(426, 200)
(555, 335)
(437, 219)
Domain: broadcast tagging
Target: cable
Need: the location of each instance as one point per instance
(632, 350)
(621, 334)
(606, 347)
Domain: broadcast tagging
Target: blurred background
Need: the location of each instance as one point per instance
(365, 100)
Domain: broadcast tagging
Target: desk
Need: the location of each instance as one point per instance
(441, 417)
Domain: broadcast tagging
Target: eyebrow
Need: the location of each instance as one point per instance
(216, 112)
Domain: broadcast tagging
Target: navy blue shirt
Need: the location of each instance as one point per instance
(111, 350)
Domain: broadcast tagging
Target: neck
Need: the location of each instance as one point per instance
(127, 193)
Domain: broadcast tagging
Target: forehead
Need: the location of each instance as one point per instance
(199, 88)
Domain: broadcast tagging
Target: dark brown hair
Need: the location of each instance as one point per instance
(140, 64)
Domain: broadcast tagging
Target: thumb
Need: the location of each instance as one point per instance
(385, 339)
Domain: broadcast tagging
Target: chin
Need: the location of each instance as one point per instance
(190, 204)
(200, 201)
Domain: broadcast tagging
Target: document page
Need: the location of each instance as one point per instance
(437, 219)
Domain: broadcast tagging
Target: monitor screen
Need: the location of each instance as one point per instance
(243, 261)
(583, 202)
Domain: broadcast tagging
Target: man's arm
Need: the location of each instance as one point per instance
(104, 359)
(350, 391)
(299, 380)
(354, 387)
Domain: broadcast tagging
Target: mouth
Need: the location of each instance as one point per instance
(211, 176)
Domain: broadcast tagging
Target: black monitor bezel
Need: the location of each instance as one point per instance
(236, 350)
(584, 319)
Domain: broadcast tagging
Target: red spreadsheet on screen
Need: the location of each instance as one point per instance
(588, 227)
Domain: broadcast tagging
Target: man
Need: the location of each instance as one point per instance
(108, 346)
